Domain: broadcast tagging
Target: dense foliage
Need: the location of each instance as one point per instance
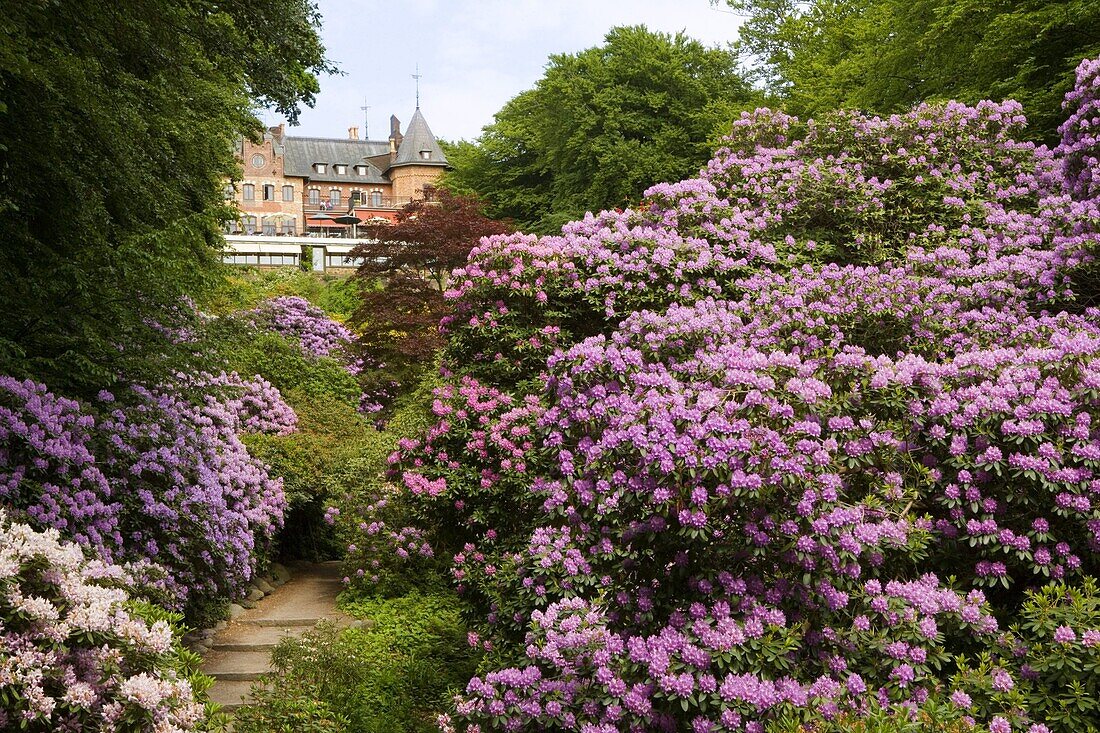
(150, 477)
(312, 359)
(403, 276)
(808, 437)
(386, 677)
(886, 55)
(117, 129)
(76, 653)
(600, 127)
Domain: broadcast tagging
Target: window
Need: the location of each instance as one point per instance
(269, 226)
(361, 170)
(358, 197)
(320, 167)
(343, 261)
(248, 223)
(426, 154)
(288, 193)
(341, 169)
(334, 197)
(229, 192)
(375, 198)
(249, 191)
(258, 161)
(314, 197)
(269, 192)
(288, 227)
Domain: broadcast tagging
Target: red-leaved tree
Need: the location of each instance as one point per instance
(405, 269)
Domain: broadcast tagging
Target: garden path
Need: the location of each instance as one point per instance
(241, 652)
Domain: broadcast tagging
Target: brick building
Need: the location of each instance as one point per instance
(289, 181)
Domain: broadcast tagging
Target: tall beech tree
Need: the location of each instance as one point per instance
(887, 55)
(601, 126)
(117, 124)
(404, 271)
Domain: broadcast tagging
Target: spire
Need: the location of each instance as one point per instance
(419, 146)
(417, 76)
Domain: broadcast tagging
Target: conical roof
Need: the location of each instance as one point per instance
(419, 147)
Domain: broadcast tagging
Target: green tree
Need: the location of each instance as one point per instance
(117, 126)
(887, 55)
(600, 127)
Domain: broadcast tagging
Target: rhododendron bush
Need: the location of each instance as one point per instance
(791, 440)
(157, 478)
(76, 653)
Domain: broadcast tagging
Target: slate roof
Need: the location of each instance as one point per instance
(417, 138)
(302, 152)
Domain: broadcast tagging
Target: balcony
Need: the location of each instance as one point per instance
(378, 203)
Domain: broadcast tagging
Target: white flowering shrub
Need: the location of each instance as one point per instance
(77, 653)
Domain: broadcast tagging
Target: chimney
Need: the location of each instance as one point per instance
(353, 133)
(395, 137)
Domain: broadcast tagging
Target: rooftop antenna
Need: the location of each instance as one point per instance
(417, 76)
(366, 119)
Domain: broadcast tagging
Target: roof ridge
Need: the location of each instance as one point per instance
(334, 139)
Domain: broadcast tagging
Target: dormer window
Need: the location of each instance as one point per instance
(320, 167)
(361, 170)
(425, 155)
(340, 169)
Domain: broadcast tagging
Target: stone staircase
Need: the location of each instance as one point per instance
(240, 653)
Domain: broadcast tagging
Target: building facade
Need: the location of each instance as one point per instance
(297, 185)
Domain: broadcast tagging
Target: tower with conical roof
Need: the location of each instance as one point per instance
(415, 158)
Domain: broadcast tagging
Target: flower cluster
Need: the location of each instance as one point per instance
(296, 318)
(149, 477)
(1079, 148)
(72, 656)
(785, 437)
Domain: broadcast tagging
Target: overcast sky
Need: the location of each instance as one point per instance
(474, 55)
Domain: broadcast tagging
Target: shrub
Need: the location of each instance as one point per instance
(319, 464)
(246, 288)
(150, 478)
(287, 709)
(242, 347)
(391, 676)
(76, 653)
(790, 441)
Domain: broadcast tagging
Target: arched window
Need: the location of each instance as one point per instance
(375, 198)
(249, 191)
(249, 224)
(288, 193)
(269, 192)
(269, 226)
(314, 197)
(288, 227)
(334, 197)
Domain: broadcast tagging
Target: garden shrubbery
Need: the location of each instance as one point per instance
(78, 653)
(156, 478)
(391, 675)
(808, 440)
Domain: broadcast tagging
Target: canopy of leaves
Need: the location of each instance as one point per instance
(887, 55)
(600, 127)
(117, 126)
(407, 265)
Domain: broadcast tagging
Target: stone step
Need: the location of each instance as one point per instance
(254, 638)
(284, 623)
(238, 666)
(231, 694)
